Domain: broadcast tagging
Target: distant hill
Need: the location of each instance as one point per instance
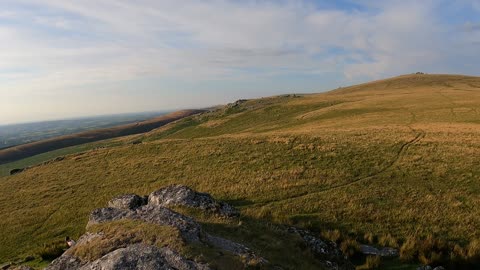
(16, 134)
(388, 163)
(30, 149)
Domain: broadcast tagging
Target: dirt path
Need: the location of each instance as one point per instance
(420, 134)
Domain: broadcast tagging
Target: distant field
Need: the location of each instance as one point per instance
(391, 161)
(14, 153)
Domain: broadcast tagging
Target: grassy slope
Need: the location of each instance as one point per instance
(398, 156)
(49, 156)
(23, 151)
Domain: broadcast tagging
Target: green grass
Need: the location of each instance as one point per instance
(395, 157)
(48, 156)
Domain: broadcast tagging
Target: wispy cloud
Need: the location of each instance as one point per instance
(70, 44)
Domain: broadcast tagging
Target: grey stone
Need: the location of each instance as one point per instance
(383, 252)
(189, 229)
(185, 196)
(238, 249)
(140, 256)
(101, 215)
(65, 262)
(127, 201)
(152, 214)
(137, 256)
(21, 267)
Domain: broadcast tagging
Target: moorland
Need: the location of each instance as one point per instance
(392, 162)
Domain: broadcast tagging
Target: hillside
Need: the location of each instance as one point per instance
(30, 149)
(391, 162)
(21, 133)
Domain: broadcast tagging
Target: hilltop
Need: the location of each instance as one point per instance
(392, 163)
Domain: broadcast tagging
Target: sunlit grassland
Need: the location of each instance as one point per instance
(45, 157)
(398, 157)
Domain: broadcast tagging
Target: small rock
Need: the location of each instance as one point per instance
(16, 171)
(439, 268)
(384, 252)
(127, 201)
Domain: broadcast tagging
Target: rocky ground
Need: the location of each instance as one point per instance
(125, 250)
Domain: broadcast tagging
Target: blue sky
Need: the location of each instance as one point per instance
(65, 58)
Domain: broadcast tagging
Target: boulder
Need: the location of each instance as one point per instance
(127, 201)
(140, 256)
(137, 256)
(184, 196)
(188, 227)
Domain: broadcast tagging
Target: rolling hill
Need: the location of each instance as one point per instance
(392, 162)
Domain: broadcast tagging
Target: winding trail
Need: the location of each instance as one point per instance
(420, 134)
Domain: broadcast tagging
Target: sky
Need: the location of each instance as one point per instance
(67, 58)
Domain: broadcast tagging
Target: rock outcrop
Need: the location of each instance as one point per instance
(125, 253)
(178, 195)
(141, 256)
(153, 211)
